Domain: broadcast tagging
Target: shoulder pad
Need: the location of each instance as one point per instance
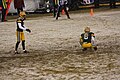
(92, 34)
(82, 34)
(19, 20)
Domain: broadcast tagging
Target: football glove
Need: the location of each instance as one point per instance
(28, 30)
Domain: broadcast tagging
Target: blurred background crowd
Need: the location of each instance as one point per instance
(47, 6)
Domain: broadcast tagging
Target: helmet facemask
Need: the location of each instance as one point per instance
(87, 29)
(22, 15)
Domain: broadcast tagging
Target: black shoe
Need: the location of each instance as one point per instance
(16, 52)
(95, 48)
(68, 17)
(25, 51)
(84, 49)
(56, 18)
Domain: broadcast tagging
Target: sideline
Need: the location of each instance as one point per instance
(12, 18)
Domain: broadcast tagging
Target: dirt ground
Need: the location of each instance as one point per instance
(54, 50)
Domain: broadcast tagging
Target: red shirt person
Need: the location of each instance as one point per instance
(19, 5)
(8, 2)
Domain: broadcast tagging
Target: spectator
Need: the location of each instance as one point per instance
(4, 7)
(19, 5)
(8, 2)
(62, 5)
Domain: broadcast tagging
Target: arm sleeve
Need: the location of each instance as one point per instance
(21, 27)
